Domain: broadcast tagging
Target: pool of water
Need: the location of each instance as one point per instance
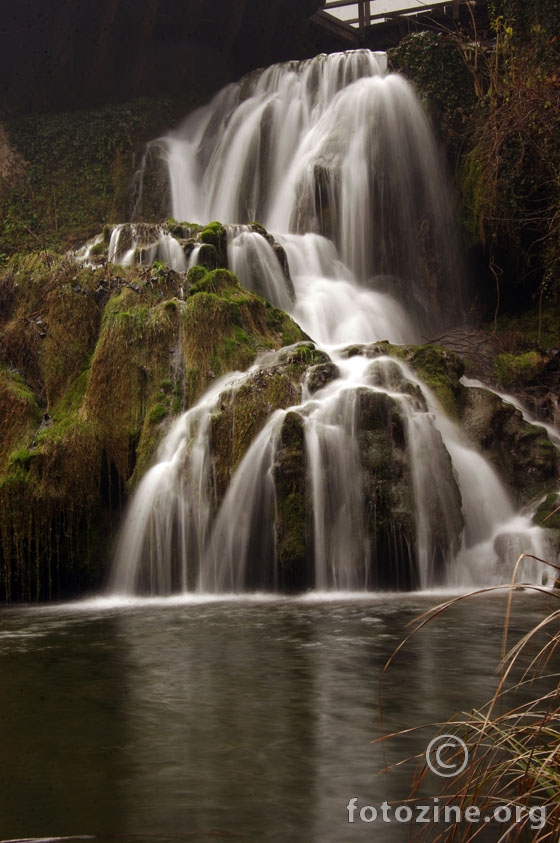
(243, 719)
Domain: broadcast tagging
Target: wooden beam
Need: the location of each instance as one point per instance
(340, 29)
(366, 17)
(337, 4)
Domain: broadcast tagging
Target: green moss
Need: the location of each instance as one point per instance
(214, 234)
(20, 414)
(439, 369)
(157, 413)
(220, 282)
(518, 368)
(65, 414)
(196, 276)
(175, 228)
(21, 458)
(73, 322)
(225, 326)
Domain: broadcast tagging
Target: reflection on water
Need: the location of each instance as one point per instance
(243, 719)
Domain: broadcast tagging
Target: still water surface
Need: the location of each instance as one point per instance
(242, 719)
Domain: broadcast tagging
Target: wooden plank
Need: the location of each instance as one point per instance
(338, 28)
(338, 4)
(361, 16)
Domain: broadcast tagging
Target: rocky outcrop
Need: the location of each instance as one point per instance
(521, 452)
(277, 384)
(94, 363)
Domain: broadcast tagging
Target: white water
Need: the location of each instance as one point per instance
(252, 259)
(338, 162)
(131, 244)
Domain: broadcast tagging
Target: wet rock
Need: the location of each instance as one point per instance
(320, 375)
(390, 487)
(294, 525)
(521, 452)
(208, 257)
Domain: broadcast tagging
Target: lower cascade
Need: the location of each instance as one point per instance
(330, 464)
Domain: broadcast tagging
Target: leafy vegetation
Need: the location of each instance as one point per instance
(497, 106)
(76, 171)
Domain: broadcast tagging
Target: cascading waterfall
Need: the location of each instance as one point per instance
(330, 146)
(337, 160)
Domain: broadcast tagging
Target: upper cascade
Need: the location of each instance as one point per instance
(333, 146)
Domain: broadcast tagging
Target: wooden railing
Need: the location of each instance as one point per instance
(367, 15)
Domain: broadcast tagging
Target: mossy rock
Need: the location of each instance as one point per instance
(182, 230)
(387, 490)
(521, 452)
(195, 275)
(321, 375)
(48, 497)
(437, 367)
(245, 409)
(73, 319)
(208, 257)
(225, 327)
(519, 369)
(220, 282)
(94, 363)
(376, 349)
(20, 415)
(440, 370)
(214, 234)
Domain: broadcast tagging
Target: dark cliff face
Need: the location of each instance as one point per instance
(78, 53)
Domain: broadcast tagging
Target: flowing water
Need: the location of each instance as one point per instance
(242, 719)
(336, 159)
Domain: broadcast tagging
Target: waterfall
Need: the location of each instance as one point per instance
(336, 159)
(325, 146)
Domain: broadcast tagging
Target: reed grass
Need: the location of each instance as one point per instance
(513, 745)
